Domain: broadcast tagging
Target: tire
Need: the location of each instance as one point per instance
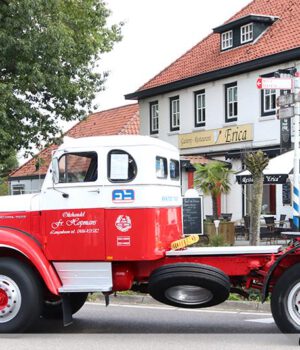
(285, 301)
(52, 309)
(20, 296)
(189, 285)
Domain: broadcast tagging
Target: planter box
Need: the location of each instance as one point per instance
(226, 230)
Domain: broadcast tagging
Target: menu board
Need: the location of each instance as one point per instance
(286, 193)
(192, 216)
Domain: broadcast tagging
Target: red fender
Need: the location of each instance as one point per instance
(28, 246)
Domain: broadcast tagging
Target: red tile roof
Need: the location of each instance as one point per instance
(117, 121)
(206, 56)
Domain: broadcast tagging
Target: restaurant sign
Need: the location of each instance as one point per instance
(275, 179)
(232, 134)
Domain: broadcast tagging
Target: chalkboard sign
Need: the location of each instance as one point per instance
(286, 193)
(192, 216)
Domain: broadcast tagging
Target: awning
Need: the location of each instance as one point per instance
(277, 171)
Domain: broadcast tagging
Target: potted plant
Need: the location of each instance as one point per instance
(213, 179)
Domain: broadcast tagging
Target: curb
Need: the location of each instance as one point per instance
(229, 305)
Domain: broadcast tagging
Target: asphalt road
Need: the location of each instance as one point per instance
(96, 318)
(155, 327)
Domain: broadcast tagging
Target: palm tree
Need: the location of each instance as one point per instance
(256, 163)
(213, 179)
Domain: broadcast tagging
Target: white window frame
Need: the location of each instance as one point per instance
(231, 100)
(18, 189)
(200, 108)
(267, 100)
(154, 117)
(175, 113)
(227, 40)
(247, 33)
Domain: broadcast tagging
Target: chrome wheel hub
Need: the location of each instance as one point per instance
(10, 299)
(188, 294)
(293, 303)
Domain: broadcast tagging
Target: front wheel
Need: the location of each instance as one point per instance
(285, 301)
(20, 296)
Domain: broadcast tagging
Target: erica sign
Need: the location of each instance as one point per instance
(234, 134)
(268, 179)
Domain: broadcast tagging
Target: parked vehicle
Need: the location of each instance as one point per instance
(104, 221)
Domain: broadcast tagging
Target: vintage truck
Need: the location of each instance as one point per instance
(106, 220)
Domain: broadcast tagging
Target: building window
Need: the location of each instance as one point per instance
(227, 40)
(154, 121)
(231, 102)
(199, 98)
(18, 189)
(268, 102)
(246, 33)
(174, 113)
(268, 99)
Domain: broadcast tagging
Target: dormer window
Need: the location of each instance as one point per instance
(243, 30)
(227, 40)
(246, 33)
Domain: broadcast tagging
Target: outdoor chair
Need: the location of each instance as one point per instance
(209, 218)
(226, 216)
(281, 221)
(271, 233)
(281, 228)
(239, 231)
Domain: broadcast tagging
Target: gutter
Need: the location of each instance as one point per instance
(245, 67)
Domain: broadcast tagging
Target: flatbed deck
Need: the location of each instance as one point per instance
(203, 251)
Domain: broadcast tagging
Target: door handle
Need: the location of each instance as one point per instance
(97, 191)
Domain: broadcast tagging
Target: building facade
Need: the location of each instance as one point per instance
(207, 102)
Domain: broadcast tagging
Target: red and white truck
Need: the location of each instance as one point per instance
(104, 221)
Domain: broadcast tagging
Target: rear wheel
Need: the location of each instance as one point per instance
(52, 308)
(189, 285)
(20, 296)
(285, 301)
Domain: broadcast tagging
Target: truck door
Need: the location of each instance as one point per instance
(72, 216)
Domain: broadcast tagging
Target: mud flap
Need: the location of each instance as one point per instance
(67, 309)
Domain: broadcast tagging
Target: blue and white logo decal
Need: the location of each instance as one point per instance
(121, 196)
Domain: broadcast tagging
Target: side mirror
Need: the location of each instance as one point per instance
(55, 171)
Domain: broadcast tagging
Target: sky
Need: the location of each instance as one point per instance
(155, 34)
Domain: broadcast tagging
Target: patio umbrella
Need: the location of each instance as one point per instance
(277, 171)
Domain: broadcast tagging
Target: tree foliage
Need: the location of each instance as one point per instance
(10, 164)
(213, 179)
(48, 62)
(256, 162)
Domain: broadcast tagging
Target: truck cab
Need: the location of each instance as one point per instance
(102, 200)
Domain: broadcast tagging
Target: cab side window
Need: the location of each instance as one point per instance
(78, 167)
(121, 166)
(174, 169)
(161, 167)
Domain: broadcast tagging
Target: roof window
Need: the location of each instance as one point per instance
(243, 30)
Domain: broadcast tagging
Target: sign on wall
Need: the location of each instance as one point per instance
(232, 134)
(274, 83)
